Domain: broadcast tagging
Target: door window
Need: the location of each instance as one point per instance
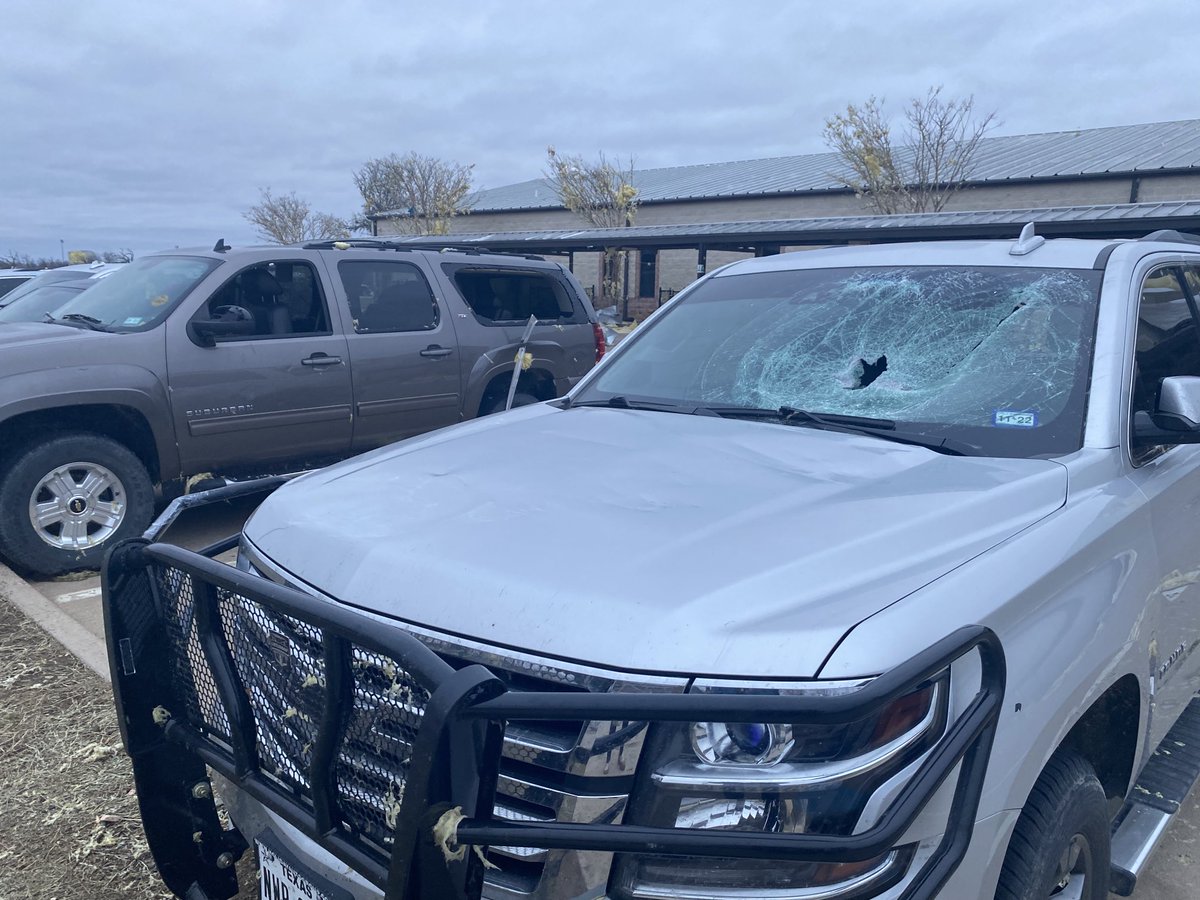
(388, 297)
(283, 298)
(1168, 342)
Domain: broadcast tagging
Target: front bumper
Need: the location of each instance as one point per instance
(176, 625)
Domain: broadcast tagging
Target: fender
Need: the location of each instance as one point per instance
(1069, 604)
(67, 387)
(547, 355)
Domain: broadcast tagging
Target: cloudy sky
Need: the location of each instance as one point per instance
(154, 124)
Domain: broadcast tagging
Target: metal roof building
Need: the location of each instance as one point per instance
(1158, 148)
(1123, 181)
(1113, 221)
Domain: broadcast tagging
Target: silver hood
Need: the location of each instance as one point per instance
(646, 541)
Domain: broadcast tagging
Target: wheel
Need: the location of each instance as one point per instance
(520, 398)
(1060, 847)
(65, 501)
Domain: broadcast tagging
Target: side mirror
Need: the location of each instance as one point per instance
(227, 321)
(1177, 418)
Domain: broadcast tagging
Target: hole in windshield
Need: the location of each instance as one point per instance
(998, 357)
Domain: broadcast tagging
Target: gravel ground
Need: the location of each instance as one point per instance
(70, 826)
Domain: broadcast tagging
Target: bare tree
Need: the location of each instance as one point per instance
(424, 191)
(602, 193)
(123, 255)
(940, 141)
(16, 260)
(286, 219)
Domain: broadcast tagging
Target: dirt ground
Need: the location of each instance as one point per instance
(69, 825)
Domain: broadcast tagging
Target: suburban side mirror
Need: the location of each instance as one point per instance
(227, 321)
(1177, 418)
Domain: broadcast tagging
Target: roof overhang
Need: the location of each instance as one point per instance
(1129, 220)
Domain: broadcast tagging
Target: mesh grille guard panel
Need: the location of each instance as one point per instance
(362, 737)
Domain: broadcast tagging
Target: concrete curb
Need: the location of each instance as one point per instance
(85, 646)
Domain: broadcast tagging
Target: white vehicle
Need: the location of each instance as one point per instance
(905, 605)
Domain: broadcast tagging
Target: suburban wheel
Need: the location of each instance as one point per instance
(520, 398)
(64, 502)
(1060, 847)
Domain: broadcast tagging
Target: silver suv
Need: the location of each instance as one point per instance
(904, 604)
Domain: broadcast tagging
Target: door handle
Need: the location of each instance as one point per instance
(433, 351)
(321, 359)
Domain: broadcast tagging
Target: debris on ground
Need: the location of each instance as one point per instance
(70, 829)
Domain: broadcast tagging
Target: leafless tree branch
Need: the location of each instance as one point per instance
(602, 193)
(426, 192)
(941, 140)
(286, 219)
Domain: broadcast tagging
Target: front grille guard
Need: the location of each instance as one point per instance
(183, 705)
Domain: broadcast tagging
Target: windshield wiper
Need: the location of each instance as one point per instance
(884, 429)
(620, 402)
(87, 321)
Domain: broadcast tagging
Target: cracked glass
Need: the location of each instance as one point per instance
(995, 357)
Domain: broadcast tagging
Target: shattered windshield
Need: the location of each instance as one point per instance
(140, 295)
(995, 357)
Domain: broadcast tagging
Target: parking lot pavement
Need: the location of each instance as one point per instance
(75, 613)
(79, 596)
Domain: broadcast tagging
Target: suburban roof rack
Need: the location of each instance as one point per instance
(376, 244)
(1170, 234)
(356, 244)
(481, 251)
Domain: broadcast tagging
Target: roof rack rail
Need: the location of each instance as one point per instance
(480, 251)
(1170, 234)
(376, 244)
(356, 244)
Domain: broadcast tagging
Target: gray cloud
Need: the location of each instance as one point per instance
(147, 124)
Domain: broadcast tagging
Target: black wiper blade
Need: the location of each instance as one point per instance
(620, 402)
(90, 321)
(790, 415)
(885, 429)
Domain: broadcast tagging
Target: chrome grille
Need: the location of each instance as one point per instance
(550, 771)
(555, 771)
(281, 664)
(372, 767)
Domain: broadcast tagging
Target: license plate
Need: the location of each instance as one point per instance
(280, 879)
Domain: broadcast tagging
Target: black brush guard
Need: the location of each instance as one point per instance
(177, 626)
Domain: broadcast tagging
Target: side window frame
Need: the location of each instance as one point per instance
(1143, 455)
(205, 308)
(578, 313)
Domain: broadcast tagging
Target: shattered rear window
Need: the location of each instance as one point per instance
(996, 357)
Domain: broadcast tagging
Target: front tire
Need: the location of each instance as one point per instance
(1060, 847)
(65, 501)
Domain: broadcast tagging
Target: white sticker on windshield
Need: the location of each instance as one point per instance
(133, 320)
(1012, 418)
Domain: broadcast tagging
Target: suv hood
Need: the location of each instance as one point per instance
(646, 541)
(18, 335)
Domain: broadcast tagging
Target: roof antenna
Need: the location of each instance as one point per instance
(1027, 242)
(220, 246)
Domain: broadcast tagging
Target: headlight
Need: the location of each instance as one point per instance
(777, 777)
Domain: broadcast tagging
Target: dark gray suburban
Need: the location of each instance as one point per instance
(259, 359)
